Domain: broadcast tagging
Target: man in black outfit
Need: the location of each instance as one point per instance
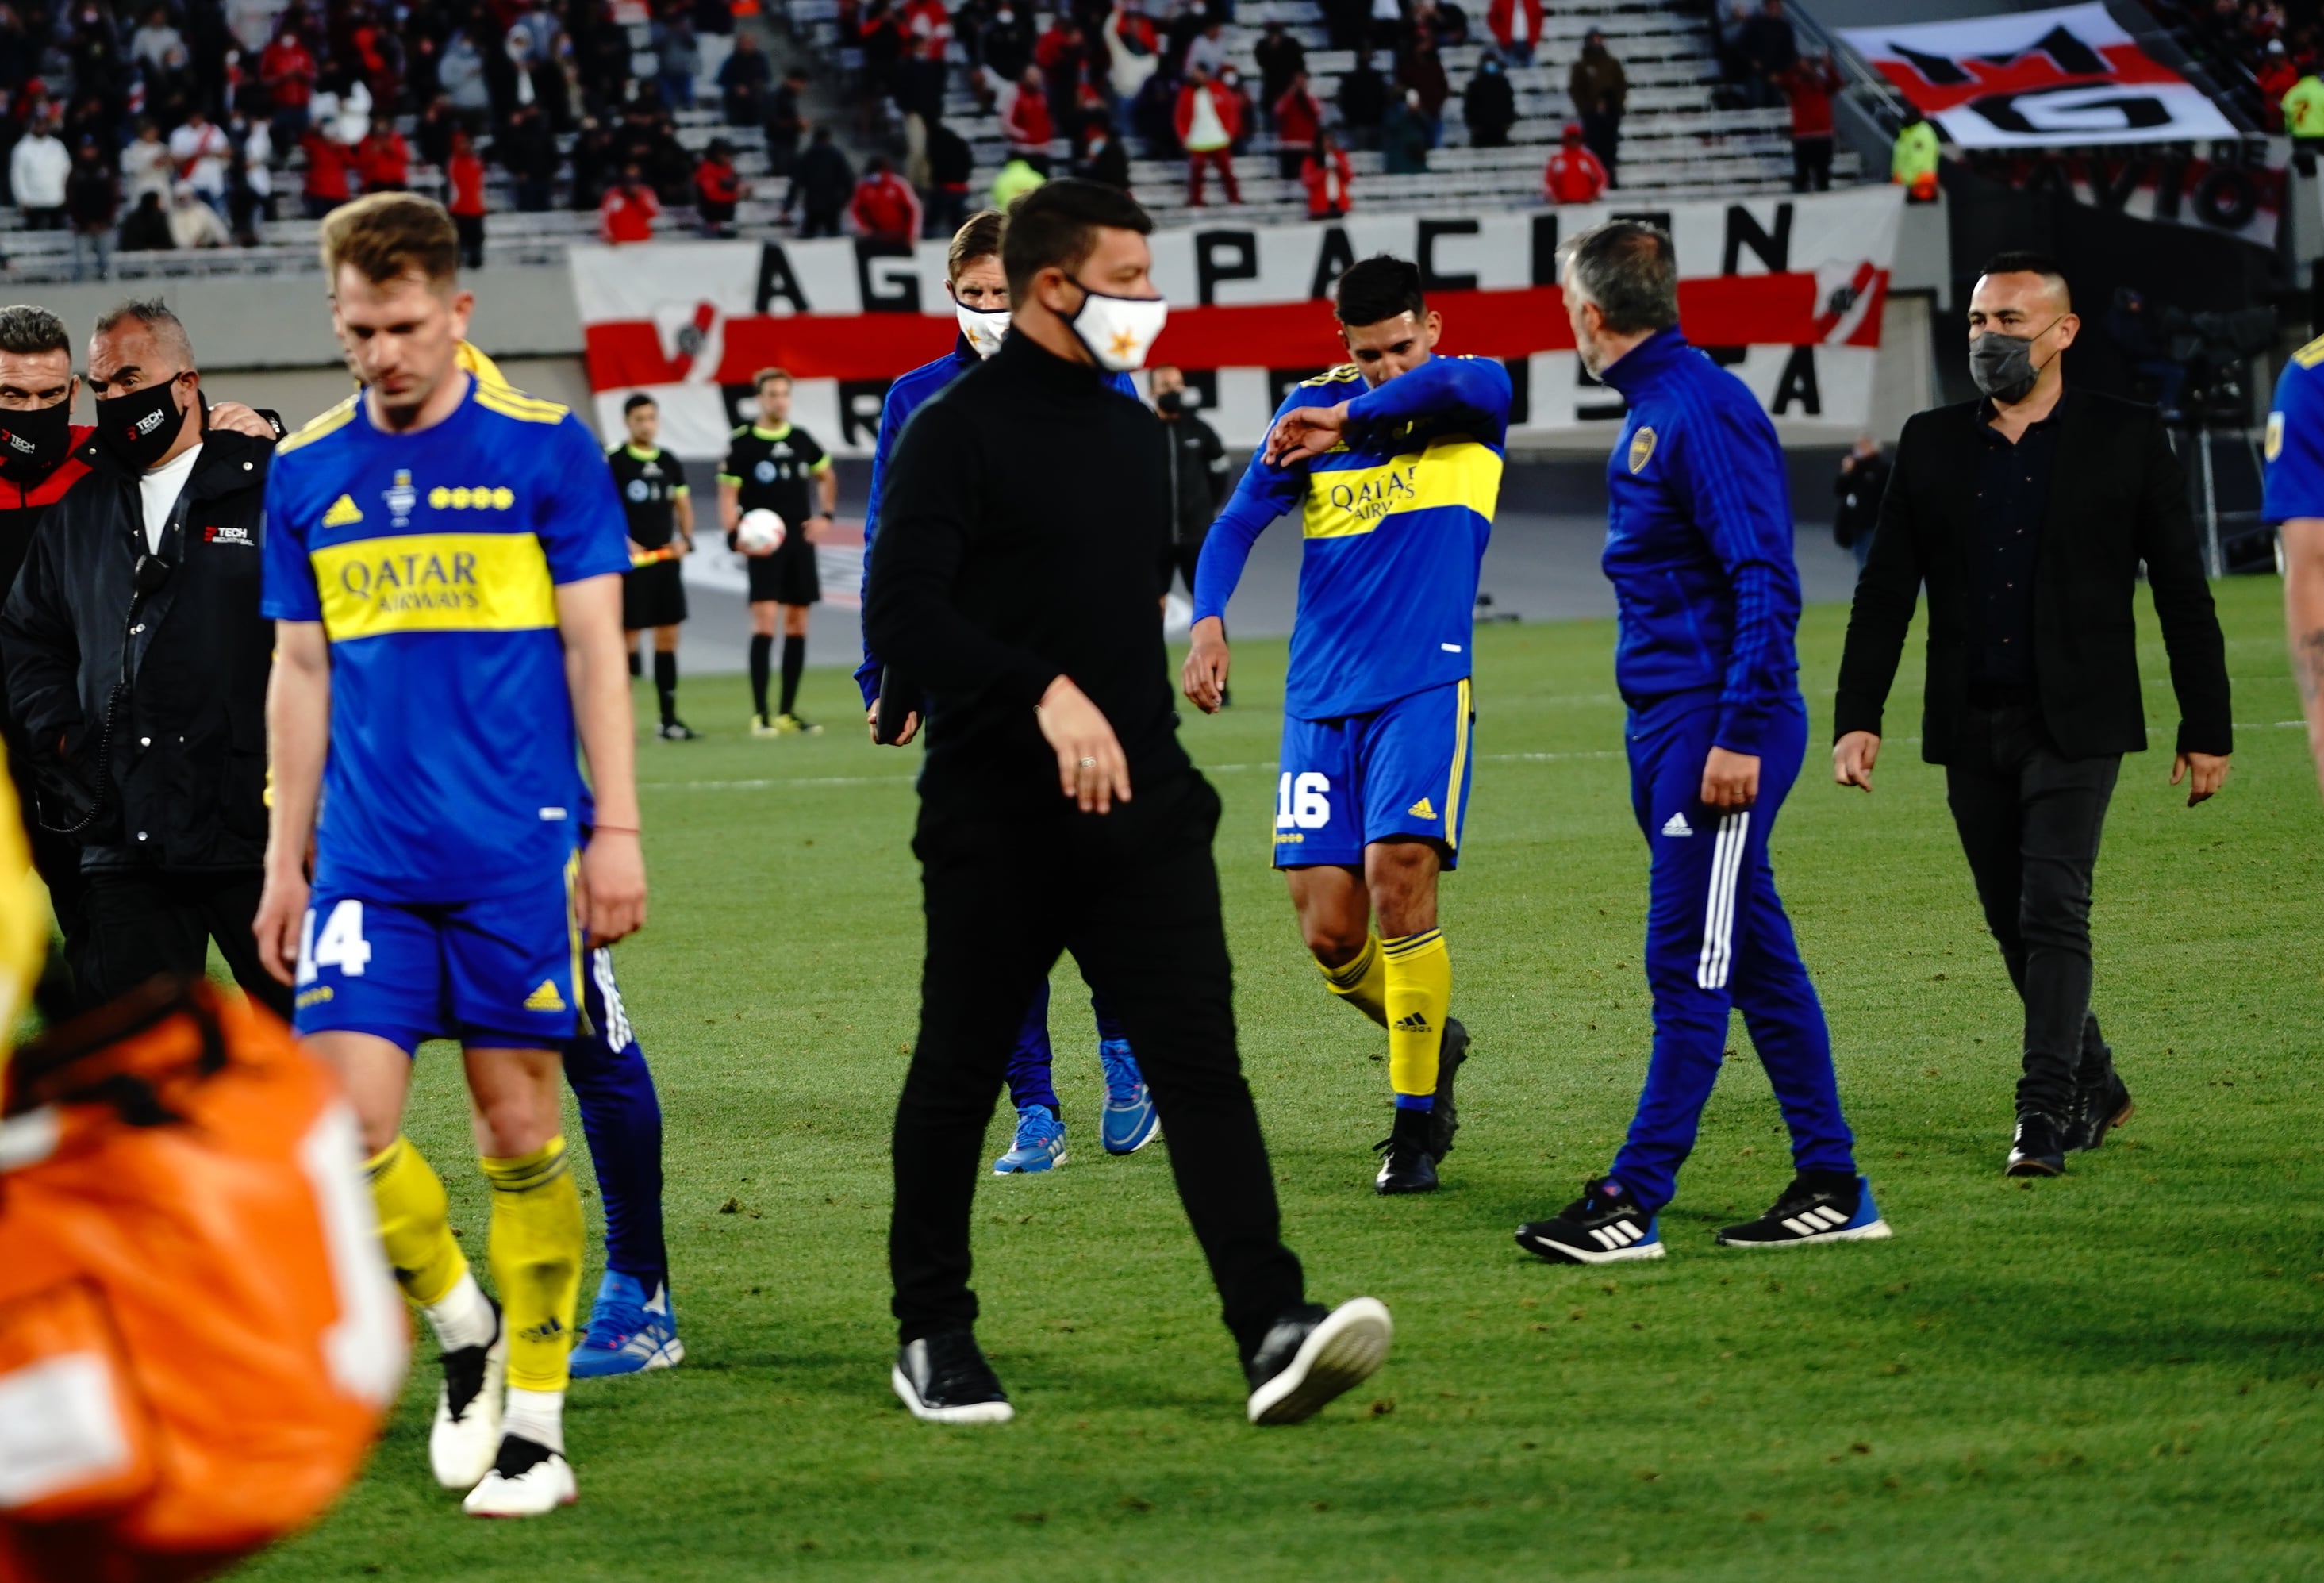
(2028, 513)
(150, 566)
(660, 506)
(1196, 479)
(1025, 594)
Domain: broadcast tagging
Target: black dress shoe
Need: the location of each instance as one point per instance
(2104, 1107)
(2038, 1148)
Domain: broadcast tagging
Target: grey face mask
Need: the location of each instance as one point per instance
(2003, 365)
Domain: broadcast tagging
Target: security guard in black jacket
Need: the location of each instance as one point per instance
(1198, 474)
(137, 663)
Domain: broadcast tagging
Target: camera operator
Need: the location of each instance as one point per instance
(137, 666)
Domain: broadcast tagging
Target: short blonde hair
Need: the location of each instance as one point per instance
(389, 234)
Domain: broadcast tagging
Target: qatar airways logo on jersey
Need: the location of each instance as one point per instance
(1376, 494)
(414, 580)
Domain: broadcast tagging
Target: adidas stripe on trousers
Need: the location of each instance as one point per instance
(1718, 940)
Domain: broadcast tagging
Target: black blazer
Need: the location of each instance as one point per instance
(2118, 497)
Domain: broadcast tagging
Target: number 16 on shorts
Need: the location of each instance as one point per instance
(1303, 803)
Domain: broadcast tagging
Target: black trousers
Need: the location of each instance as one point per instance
(1811, 164)
(1134, 896)
(146, 921)
(2030, 820)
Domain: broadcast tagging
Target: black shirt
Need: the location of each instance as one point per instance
(770, 468)
(2013, 494)
(650, 485)
(1020, 521)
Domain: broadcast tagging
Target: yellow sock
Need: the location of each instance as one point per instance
(415, 1223)
(1362, 983)
(536, 1254)
(1419, 976)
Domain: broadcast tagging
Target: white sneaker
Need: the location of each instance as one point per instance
(542, 1482)
(468, 1405)
(1305, 1361)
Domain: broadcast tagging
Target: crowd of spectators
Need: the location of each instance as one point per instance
(2257, 51)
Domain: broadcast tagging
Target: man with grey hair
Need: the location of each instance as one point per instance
(137, 666)
(1699, 549)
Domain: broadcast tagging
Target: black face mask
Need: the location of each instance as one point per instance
(35, 441)
(139, 427)
(1170, 401)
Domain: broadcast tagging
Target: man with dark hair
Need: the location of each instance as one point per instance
(1699, 549)
(1198, 471)
(1394, 462)
(137, 660)
(770, 465)
(660, 510)
(2028, 512)
(980, 301)
(1033, 619)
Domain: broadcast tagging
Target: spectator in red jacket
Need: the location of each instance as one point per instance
(628, 213)
(383, 158)
(328, 161)
(1516, 26)
(287, 71)
(885, 208)
(2275, 77)
(464, 173)
(1809, 83)
(718, 187)
(1026, 124)
(1209, 119)
(1574, 174)
(1328, 178)
(1298, 118)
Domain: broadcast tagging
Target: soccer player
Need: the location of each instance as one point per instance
(772, 462)
(1699, 549)
(1127, 1122)
(1395, 461)
(660, 510)
(443, 561)
(2296, 501)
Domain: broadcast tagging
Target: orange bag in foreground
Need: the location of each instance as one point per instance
(199, 1337)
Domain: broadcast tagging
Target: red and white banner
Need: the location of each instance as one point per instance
(1786, 291)
(2061, 79)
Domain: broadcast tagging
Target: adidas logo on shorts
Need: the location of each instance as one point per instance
(1421, 810)
(545, 998)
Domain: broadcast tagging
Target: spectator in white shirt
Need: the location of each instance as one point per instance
(193, 222)
(37, 172)
(1208, 49)
(145, 166)
(200, 150)
(152, 45)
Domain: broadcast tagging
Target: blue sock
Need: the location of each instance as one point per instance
(1028, 1061)
(1415, 1101)
(621, 1116)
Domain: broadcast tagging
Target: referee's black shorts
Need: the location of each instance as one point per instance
(788, 577)
(652, 596)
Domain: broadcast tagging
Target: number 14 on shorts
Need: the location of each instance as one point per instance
(341, 945)
(1303, 802)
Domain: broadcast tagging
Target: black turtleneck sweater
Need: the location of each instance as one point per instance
(1019, 524)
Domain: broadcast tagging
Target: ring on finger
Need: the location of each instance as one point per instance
(1086, 763)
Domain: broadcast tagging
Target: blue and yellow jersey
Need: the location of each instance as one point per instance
(1395, 519)
(432, 561)
(2295, 439)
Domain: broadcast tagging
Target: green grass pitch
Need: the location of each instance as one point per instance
(2112, 1373)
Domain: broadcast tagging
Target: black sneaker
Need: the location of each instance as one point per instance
(676, 731)
(1817, 1206)
(1407, 1165)
(1445, 1120)
(1310, 1357)
(945, 1379)
(2103, 1107)
(2038, 1147)
(1604, 1225)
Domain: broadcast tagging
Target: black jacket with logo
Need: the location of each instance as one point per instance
(187, 755)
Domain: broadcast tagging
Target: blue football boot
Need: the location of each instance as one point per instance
(1129, 1123)
(1039, 1145)
(629, 1330)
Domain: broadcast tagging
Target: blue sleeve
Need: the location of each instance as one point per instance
(893, 413)
(2295, 446)
(1729, 470)
(289, 576)
(1472, 391)
(582, 528)
(1265, 494)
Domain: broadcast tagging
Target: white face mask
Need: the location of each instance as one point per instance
(1119, 331)
(984, 327)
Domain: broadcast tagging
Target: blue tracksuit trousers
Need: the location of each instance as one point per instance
(621, 1116)
(1031, 1059)
(1718, 939)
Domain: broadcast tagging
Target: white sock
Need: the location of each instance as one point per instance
(464, 1318)
(536, 1415)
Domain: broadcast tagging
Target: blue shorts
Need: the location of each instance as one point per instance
(1399, 771)
(502, 973)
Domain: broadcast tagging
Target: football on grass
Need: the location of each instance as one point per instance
(760, 532)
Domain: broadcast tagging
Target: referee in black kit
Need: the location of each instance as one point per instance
(1014, 571)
